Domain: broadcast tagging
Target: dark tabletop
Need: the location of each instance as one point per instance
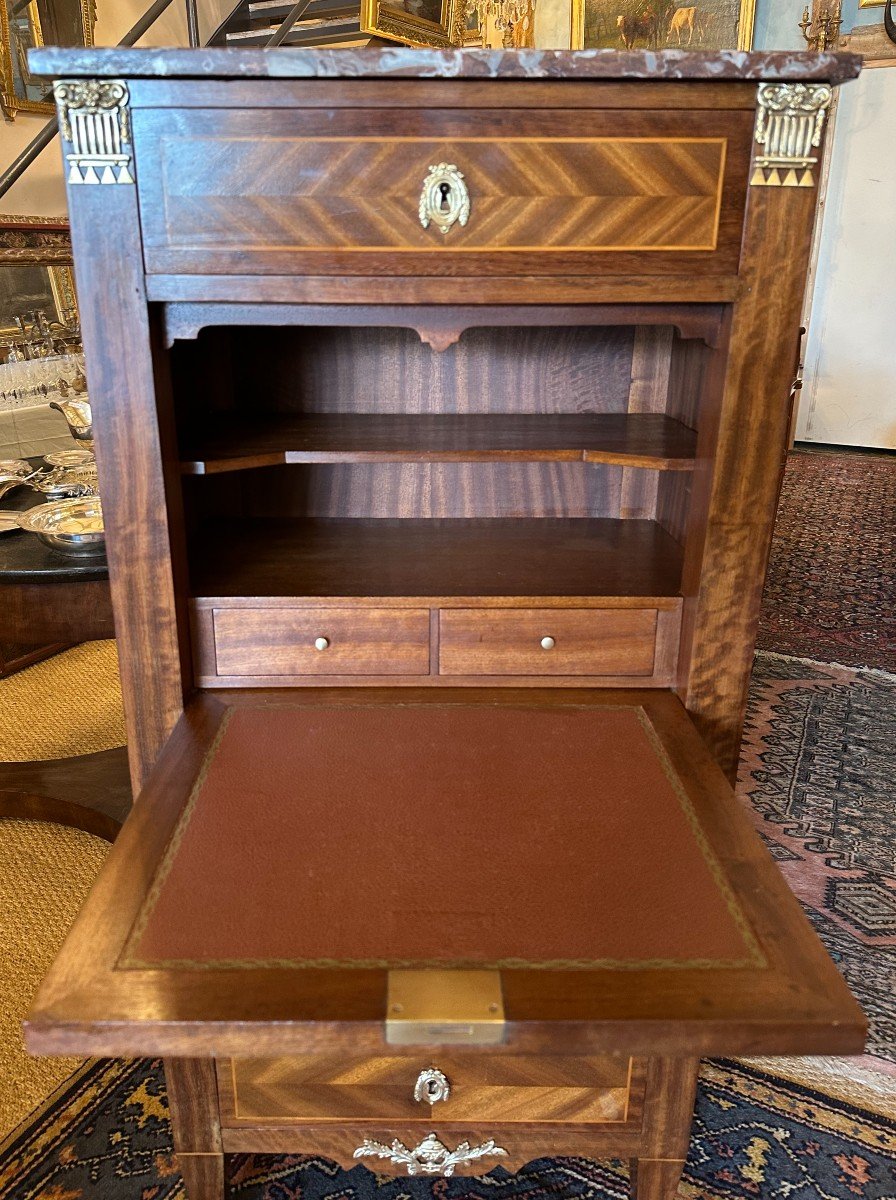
(25, 559)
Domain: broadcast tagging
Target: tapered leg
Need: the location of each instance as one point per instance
(203, 1176)
(196, 1126)
(655, 1179)
(669, 1094)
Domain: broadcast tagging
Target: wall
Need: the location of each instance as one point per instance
(849, 387)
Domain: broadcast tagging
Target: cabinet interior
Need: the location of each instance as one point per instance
(523, 460)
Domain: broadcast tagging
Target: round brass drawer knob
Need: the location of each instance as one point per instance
(548, 643)
(321, 643)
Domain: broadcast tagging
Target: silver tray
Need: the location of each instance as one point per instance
(73, 527)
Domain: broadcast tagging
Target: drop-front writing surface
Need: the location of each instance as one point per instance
(437, 391)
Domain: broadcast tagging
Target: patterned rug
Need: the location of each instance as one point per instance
(817, 774)
(820, 750)
(832, 574)
(106, 1137)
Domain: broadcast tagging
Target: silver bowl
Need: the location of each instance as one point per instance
(73, 527)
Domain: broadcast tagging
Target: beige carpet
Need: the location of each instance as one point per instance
(67, 705)
(45, 873)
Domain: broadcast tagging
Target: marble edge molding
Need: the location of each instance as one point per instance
(295, 63)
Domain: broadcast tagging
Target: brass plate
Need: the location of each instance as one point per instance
(444, 1008)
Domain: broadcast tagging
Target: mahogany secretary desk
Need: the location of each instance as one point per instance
(441, 402)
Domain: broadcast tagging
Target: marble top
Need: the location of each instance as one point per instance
(294, 63)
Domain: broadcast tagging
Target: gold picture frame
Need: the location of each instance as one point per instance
(35, 269)
(708, 32)
(436, 23)
(24, 25)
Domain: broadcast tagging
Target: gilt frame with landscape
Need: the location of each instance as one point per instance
(734, 34)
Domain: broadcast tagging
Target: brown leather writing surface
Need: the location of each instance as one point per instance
(439, 834)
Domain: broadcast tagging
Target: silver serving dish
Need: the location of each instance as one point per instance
(9, 521)
(73, 527)
(15, 466)
(9, 481)
(69, 458)
(63, 482)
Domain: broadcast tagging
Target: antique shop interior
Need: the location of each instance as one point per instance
(447, 592)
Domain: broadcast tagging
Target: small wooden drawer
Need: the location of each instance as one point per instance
(482, 1088)
(321, 641)
(245, 192)
(547, 641)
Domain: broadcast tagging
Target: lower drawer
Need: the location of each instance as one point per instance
(469, 1088)
(547, 641)
(321, 641)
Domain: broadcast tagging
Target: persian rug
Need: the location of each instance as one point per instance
(817, 774)
(106, 1136)
(832, 572)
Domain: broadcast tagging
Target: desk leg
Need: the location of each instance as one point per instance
(669, 1095)
(195, 1121)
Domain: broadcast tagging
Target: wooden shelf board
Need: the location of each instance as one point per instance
(571, 557)
(650, 440)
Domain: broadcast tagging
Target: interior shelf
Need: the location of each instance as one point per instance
(601, 557)
(651, 440)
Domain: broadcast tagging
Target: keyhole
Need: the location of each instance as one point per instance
(433, 1089)
(445, 192)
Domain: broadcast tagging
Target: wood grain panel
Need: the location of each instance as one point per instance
(281, 641)
(483, 1088)
(522, 368)
(521, 1143)
(362, 558)
(508, 641)
(643, 440)
(563, 287)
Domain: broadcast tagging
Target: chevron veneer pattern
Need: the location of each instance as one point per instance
(506, 1088)
(361, 193)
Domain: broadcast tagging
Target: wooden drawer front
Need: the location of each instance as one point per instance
(288, 191)
(370, 641)
(509, 641)
(482, 1088)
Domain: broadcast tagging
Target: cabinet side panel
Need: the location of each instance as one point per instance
(129, 433)
(721, 615)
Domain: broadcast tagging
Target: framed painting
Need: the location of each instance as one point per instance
(35, 270)
(30, 287)
(438, 23)
(662, 24)
(25, 24)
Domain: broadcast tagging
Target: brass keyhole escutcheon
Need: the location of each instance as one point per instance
(444, 199)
